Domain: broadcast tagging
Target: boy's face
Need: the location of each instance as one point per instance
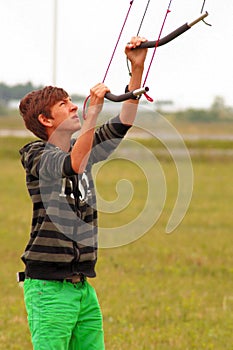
(65, 116)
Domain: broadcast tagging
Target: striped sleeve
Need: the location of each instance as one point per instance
(45, 161)
(107, 138)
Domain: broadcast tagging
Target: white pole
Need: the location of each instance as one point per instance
(55, 43)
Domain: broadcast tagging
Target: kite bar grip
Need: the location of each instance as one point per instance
(172, 35)
(134, 95)
(166, 39)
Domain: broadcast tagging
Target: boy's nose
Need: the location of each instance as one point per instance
(74, 107)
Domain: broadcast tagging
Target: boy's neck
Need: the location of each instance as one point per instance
(61, 140)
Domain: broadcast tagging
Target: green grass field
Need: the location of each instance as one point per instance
(161, 292)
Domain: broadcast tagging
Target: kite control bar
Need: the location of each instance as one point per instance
(172, 35)
(153, 44)
(134, 95)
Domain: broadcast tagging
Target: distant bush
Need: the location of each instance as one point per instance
(217, 112)
(193, 115)
(16, 92)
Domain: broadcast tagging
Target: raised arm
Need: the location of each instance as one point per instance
(81, 150)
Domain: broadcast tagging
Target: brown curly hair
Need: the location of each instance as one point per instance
(40, 102)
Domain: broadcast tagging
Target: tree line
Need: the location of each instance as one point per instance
(218, 111)
(16, 92)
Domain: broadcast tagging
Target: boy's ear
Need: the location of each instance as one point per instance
(44, 120)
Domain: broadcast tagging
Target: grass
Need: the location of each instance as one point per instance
(11, 121)
(167, 291)
(160, 292)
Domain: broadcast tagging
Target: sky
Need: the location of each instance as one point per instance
(191, 70)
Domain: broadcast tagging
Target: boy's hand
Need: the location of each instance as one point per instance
(136, 57)
(97, 94)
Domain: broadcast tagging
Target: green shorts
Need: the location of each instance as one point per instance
(63, 316)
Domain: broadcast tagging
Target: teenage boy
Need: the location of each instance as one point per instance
(62, 307)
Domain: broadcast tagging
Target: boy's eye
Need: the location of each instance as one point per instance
(64, 102)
